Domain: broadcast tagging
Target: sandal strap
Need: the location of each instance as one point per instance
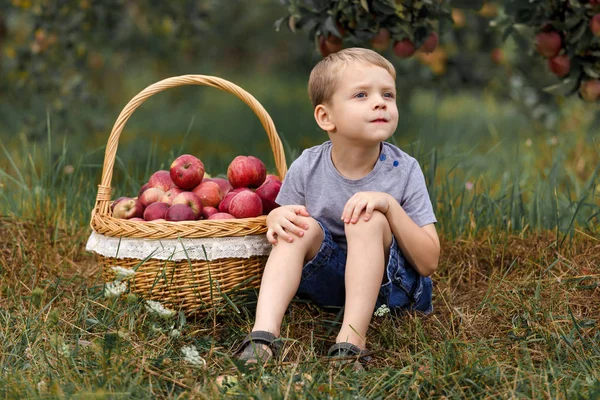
(349, 350)
(262, 337)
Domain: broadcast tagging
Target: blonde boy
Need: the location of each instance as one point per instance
(356, 226)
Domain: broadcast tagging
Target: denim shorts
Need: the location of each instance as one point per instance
(402, 289)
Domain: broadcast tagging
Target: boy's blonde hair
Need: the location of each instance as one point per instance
(323, 77)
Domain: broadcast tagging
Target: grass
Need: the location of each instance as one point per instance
(513, 318)
(516, 296)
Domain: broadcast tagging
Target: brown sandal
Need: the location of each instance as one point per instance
(251, 350)
(350, 353)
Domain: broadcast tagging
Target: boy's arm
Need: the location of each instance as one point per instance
(420, 245)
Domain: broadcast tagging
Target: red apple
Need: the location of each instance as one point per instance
(170, 195)
(128, 208)
(430, 43)
(151, 195)
(333, 43)
(595, 25)
(180, 212)
(590, 90)
(246, 204)
(246, 171)
(208, 211)
(224, 183)
(268, 192)
(497, 56)
(560, 65)
(224, 205)
(404, 48)
(161, 180)
(221, 215)
(143, 189)
(155, 211)
(187, 171)
(548, 44)
(381, 41)
(189, 199)
(321, 46)
(114, 203)
(272, 177)
(209, 192)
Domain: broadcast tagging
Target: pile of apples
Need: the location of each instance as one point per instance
(186, 193)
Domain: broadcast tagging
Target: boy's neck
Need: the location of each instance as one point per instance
(355, 163)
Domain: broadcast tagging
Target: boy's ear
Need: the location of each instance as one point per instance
(323, 118)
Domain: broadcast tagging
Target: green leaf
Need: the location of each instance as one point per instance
(330, 27)
(421, 34)
(564, 88)
(591, 72)
(364, 5)
(507, 32)
(384, 7)
(280, 21)
(467, 4)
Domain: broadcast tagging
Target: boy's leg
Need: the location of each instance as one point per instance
(368, 248)
(281, 276)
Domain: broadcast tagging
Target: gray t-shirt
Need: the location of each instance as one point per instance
(313, 181)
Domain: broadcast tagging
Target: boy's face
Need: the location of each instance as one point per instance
(363, 108)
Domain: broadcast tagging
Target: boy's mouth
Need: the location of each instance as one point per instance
(380, 120)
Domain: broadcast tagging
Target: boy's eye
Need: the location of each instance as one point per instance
(361, 95)
(390, 95)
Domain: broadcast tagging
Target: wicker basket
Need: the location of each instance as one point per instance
(193, 286)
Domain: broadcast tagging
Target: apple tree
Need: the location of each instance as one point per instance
(58, 53)
(565, 34)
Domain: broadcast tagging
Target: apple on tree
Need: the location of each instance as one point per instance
(430, 43)
(404, 48)
(548, 43)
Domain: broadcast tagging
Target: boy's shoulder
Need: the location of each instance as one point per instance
(309, 155)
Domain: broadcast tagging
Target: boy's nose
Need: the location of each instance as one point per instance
(380, 104)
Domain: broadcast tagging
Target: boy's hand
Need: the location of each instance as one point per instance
(285, 220)
(368, 201)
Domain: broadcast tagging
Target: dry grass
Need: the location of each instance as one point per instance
(515, 316)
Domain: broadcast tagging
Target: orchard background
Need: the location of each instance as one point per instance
(498, 102)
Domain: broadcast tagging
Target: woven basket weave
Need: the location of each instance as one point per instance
(193, 286)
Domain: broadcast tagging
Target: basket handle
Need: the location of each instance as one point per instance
(104, 189)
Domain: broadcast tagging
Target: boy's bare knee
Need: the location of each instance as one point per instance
(376, 225)
(311, 240)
